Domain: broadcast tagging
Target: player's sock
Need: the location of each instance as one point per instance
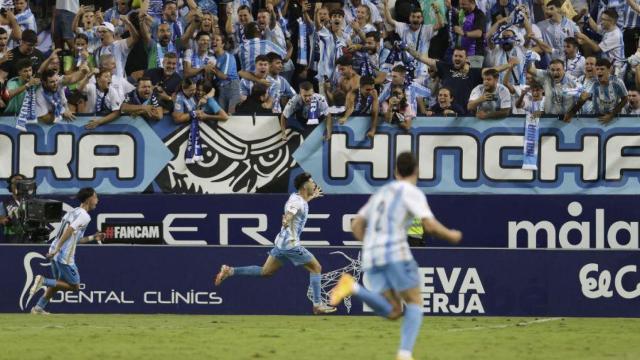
(42, 303)
(314, 280)
(410, 327)
(253, 270)
(49, 282)
(377, 302)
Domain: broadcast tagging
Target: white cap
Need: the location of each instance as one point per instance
(107, 26)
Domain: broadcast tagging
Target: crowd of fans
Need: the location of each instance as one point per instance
(307, 62)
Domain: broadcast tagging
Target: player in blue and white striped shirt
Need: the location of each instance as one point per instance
(287, 244)
(63, 250)
(386, 258)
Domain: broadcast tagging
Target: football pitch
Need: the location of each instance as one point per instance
(185, 337)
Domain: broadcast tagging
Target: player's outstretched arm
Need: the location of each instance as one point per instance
(358, 226)
(99, 236)
(434, 228)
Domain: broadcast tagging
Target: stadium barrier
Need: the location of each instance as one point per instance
(473, 282)
(245, 155)
(575, 222)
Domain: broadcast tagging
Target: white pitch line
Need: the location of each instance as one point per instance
(526, 323)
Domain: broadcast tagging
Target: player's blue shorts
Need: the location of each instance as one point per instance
(66, 273)
(297, 255)
(398, 276)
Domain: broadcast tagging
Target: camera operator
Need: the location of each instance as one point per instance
(13, 231)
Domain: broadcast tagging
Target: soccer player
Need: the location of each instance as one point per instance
(287, 244)
(386, 259)
(63, 249)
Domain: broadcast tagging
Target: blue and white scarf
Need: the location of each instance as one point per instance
(176, 29)
(367, 68)
(312, 119)
(80, 59)
(453, 37)
(23, 17)
(531, 136)
(194, 147)
(100, 101)
(55, 100)
(573, 92)
(529, 57)
(303, 43)
(395, 55)
(497, 36)
(27, 112)
(155, 8)
(359, 109)
(517, 16)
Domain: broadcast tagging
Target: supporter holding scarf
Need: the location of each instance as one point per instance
(532, 101)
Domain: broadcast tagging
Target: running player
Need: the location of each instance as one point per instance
(63, 249)
(287, 244)
(386, 258)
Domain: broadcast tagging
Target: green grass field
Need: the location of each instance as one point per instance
(304, 337)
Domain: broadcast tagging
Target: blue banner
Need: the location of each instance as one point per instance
(467, 155)
(242, 155)
(490, 221)
(246, 155)
(115, 279)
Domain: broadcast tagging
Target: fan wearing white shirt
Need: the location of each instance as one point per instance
(415, 35)
(121, 85)
(608, 95)
(612, 45)
(118, 48)
(51, 102)
(574, 62)
(531, 99)
(361, 25)
(557, 27)
(103, 101)
(490, 100)
(507, 52)
(633, 107)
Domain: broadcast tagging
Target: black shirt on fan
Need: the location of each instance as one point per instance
(10, 66)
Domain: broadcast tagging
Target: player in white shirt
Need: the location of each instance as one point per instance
(386, 258)
(287, 244)
(63, 249)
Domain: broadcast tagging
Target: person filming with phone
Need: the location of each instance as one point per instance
(490, 100)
